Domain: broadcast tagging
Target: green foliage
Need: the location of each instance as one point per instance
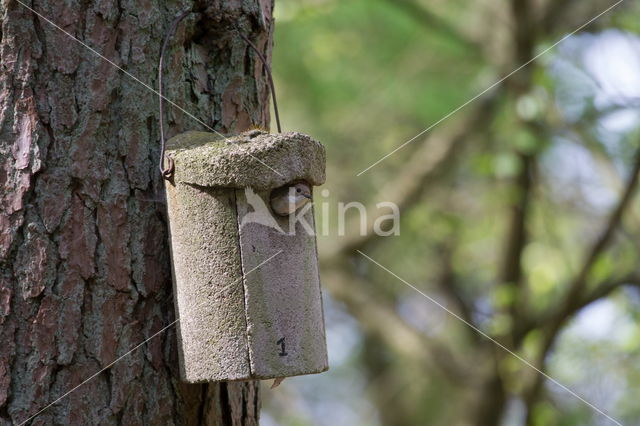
(364, 76)
(353, 71)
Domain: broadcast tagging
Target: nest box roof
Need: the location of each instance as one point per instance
(252, 159)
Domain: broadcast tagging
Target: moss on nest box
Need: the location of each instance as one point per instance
(252, 159)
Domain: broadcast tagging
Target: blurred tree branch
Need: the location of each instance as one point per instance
(435, 23)
(533, 392)
(565, 15)
(516, 241)
(578, 296)
(554, 13)
(380, 318)
(405, 190)
(525, 35)
(577, 286)
(450, 287)
(511, 274)
(493, 396)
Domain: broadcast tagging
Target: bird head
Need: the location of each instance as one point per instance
(289, 198)
(302, 191)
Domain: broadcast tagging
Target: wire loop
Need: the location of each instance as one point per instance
(168, 172)
(267, 68)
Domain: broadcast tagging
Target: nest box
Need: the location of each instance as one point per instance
(246, 282)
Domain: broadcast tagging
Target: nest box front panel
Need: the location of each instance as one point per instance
(207, 284)
(285, 323)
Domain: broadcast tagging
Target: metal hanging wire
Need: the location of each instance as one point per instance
(267, 68)
(168, 171)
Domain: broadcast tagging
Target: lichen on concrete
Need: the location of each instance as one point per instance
(252, 159)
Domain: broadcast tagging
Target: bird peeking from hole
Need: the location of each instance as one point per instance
(289, 198)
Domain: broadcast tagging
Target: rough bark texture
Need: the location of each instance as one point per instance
(84, 265)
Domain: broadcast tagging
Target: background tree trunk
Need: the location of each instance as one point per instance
(84, 263)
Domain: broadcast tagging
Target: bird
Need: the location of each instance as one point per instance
(289, 198)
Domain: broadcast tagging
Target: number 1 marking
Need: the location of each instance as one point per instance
(282, 349)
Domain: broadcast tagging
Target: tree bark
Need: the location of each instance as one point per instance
(84, 264)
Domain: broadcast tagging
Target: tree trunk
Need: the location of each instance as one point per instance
(84, 263)
(488, 397)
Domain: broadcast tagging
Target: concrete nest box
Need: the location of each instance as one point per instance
(246, 282)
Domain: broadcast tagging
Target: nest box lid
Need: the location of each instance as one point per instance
(252, 159)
